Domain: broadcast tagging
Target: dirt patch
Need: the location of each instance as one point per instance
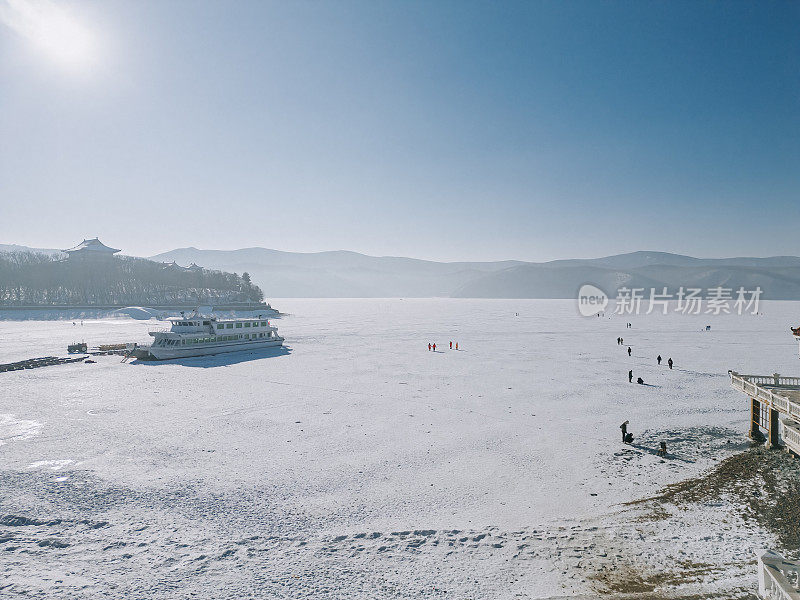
(631, 582)
(763, 484)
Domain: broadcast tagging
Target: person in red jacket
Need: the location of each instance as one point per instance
(429, 346)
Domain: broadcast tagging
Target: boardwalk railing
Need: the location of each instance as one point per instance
(773, 380)
(754, 386)
(777, 577)
(791, 436)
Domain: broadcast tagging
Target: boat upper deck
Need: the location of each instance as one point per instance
(182, 326)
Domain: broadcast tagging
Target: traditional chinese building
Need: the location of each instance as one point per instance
(774, 407)
(92, 249)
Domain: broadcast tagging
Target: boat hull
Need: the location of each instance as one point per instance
(156, 353)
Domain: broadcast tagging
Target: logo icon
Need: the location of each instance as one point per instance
(591, 300)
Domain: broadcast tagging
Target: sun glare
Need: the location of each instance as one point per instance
(53, 29)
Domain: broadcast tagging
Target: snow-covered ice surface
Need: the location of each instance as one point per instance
(356, 464)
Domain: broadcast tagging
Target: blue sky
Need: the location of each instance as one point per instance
(442, 130)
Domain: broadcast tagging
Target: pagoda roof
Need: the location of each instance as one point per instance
(93, 245)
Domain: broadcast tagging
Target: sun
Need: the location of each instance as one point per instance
(53, 28)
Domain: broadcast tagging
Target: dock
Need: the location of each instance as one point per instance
(774, 408)
(44, 361)
(50, 361)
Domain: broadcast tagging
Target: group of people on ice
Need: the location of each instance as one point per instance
(433, 346)
(639, 380)
(627, 437)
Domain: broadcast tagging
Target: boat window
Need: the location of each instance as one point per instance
(229, 326)
(206, 322)
(238, 326)
(247, 324)
(263, 323)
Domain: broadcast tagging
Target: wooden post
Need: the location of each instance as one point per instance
(755, 410)
(773, 440)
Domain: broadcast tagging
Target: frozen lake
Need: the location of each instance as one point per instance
(356, 428)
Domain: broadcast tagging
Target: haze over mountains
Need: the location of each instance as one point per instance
(349, 274)
(340, 274)
(344, 274)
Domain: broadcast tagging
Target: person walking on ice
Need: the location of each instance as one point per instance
(629, 350)
(659, 359)
(456, 345)
(429, 346)
(451, 345)
(624, 428)
(630, 376)
(434, 346)
(669, 362)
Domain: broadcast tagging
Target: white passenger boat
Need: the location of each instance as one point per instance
(199, 335)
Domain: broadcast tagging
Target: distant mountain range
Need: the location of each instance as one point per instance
(340, 274)
(16, 248)
(343, 274)
(349, 274)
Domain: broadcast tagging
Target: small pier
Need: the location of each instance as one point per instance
(49, 361)
(774, 408)
(35, 363)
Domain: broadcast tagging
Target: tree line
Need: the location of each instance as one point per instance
(31, 278)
